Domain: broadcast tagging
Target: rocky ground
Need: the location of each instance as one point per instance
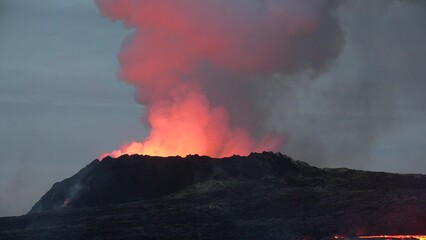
(261, 196)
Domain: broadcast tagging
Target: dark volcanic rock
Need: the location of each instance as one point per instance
(261, 196)
(134, 178)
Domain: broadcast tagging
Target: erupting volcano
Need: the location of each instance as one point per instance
(196, 66)
(387, 237)
(223, 86)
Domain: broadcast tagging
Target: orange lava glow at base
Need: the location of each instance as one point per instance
(192, 126)
(388, 237)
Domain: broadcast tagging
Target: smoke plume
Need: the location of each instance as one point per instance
(196, 66)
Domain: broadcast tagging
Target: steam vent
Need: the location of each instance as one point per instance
(260, 196)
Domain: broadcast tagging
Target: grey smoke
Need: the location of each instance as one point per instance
(354, 114)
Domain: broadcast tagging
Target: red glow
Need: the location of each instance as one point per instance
(165, 57)
(192, 126)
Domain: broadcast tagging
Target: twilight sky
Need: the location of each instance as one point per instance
(61, 104)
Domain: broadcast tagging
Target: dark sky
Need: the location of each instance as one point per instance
(61, 104)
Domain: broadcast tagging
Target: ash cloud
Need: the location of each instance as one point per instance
(367, 110)
(197, 67)
(340, 115)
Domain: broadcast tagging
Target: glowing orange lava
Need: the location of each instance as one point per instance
(180, 49)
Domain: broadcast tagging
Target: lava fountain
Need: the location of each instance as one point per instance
(178, 50)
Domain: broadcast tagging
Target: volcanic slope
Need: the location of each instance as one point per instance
(260, 196)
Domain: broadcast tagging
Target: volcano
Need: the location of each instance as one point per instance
(260, 196)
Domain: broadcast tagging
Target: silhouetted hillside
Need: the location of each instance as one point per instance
(260, 196)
